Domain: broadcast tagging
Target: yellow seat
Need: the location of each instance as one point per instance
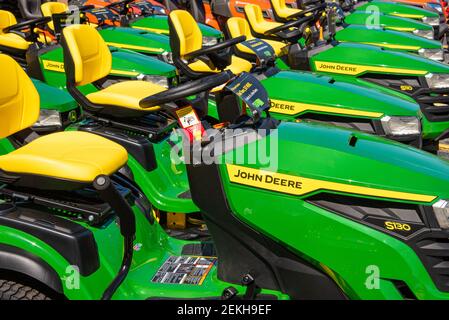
(189, 39)
(50, 8)
(11, 40)
(92, 61)
(255, 18)
(126, 94)
(73, 156)
(281, 9)
(239, 27)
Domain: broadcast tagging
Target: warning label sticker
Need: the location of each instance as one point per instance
(184, 270)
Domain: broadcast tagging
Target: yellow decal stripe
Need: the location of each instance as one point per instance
(59, 67)
(400, 29)
(406, 15)
(124, 73)
(393, 46)
(160, 31)
(354, 69)
(291, 108)
(133, 47)
(296, 185)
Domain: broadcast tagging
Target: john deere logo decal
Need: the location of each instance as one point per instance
(53, 65)
(354, 69)
(295, 185)
(293, 108)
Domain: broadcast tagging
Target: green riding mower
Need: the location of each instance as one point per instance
(73, 227)
(317, 98)
(421, 79)
(43, 58)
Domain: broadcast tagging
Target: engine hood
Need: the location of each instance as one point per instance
(357, 59)
(323, 154)
(387, 39)
(343, 96)
(386, 21)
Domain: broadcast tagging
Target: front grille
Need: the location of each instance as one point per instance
(434, 103)
(434, 253)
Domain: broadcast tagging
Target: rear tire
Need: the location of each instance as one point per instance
(11, 290)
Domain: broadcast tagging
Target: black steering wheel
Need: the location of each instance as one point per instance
(304, 12)
(186, 90)
(119, 4)
(293, 24)
(218, 47)
(30, 24)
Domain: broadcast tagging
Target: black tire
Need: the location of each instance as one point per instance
(11, 290)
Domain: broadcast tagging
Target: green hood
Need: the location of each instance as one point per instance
(159, 24)
(323, 153)
(386, 21)
(387, 39)
(398, 9)
(357, 59)
(308, 88)
(137, 40)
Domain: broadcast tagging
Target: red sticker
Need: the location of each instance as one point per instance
(190, 122)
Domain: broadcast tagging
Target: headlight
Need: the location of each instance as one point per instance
(209, 41)
(401, 126)
(437, 80)
(434, 54)
(433, 21)
(441, 210)
(167, 57)
(48, 118)
(159, 80)
(428, 34)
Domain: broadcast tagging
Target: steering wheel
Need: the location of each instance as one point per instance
(187, 89)
(123, 3)
(304, 12)
(31, 24)
(85, 8)
(288, 25)
(218, 47)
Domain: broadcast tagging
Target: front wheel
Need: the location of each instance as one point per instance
(11, 290)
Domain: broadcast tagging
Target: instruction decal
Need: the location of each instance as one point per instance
(184, 270)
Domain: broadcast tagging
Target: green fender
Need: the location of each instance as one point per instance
(54, 99)
(159, 24)
(136, 40)
(397, 9)
(386, 21)
(125, 64)
(387, 39)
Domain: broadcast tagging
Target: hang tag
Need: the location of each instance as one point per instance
(189, 121)
(262, 49)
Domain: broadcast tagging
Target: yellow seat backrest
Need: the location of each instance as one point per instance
(187, 31)
(50, 8)
(91, 57)
(19, 100)
(281, 9)
(239, 27)
(256, 20)
(7, 19)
